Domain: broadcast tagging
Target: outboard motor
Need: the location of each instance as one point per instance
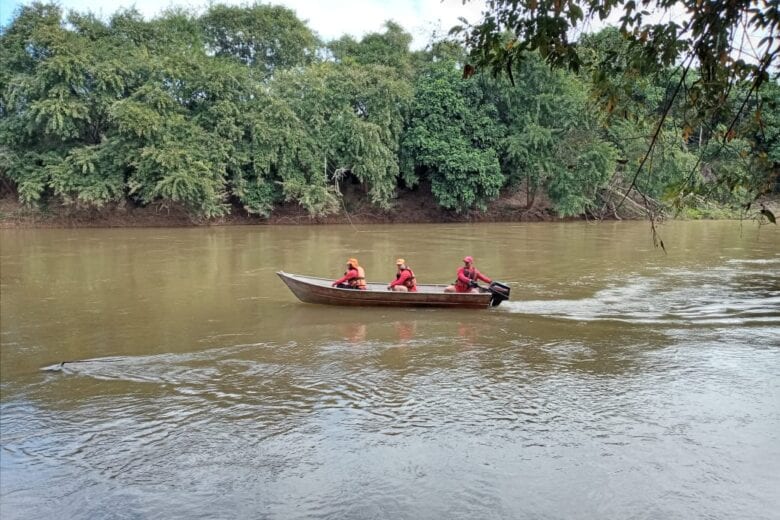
(499, 292)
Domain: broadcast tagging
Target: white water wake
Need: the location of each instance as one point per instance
(723, 296)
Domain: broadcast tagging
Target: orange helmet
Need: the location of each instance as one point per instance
(353, 262)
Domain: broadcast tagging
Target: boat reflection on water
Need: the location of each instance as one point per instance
(402, 332)
(354, 332)
(391, 328)
(468, 333)
(406, 331)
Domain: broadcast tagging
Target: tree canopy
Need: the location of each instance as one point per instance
(245, 109)
(723, 55)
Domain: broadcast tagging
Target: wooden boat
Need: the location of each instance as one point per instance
(310, 289)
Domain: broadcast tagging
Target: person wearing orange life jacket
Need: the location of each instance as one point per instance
(467, 278)
(354, 278)
(404, 278)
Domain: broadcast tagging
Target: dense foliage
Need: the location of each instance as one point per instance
(243, 109)
(715, 65)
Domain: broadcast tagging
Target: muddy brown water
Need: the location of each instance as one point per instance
(619, 382)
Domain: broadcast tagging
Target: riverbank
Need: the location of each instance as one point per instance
(410, 208)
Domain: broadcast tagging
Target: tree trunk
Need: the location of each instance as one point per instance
(530, 195)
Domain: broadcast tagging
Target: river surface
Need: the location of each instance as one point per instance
(619, 382)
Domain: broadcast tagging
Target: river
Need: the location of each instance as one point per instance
(619, 381)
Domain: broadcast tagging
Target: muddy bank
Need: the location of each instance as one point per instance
(411, 207)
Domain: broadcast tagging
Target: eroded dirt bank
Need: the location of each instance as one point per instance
(408, 208)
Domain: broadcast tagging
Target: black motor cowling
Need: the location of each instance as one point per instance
(499, 292)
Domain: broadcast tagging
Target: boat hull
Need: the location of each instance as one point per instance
(318, 290)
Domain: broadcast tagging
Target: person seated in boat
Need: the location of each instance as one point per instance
(354, 278)
(467, 278)
(404, 278)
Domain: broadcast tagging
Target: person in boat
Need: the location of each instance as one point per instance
(354, 277)
(404, 278)
(467, 278)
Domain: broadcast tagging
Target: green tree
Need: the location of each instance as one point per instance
(263, 36)
(553, 140)
(353, 117)
(56, 96)
(710, 32)
(704, 43)
(233, 110)
(390, 49)
(451, 140)
(93, 116)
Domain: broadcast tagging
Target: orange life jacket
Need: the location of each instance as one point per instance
(410, 282)
(360, 281)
